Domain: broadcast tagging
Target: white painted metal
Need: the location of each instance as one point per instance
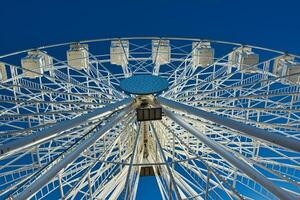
(161, 54)
(54, 131)
(3, 73)
(54, 115)
(119, 54)
(243, 58)
(240, 164)
(243, 128)
(36, 61)
(286, 66)
(78, 56)
(70, 156)
(203, 54)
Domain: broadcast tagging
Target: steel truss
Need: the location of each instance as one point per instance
(229, 130)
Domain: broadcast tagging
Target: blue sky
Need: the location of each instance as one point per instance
(31, 23)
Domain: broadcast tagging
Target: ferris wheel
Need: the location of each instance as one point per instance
(205, 119)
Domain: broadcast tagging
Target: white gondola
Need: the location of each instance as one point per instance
(78, 56)
(203, 54)
(37, 62)
(161, 54)
(3, 73)
(119, 54)
(286, 66)
(244, 59)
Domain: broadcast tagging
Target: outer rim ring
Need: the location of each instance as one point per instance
(149, 38)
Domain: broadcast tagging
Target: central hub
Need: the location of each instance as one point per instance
(148, 108)
(144, 84)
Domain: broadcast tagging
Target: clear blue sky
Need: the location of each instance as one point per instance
(32, 23)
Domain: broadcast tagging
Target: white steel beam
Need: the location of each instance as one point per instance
(172, 179)
(231, 158)
(50, 133)
(127, 186)
(70, 157)
(246, 129)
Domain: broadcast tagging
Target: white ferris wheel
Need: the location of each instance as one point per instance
(206, 119)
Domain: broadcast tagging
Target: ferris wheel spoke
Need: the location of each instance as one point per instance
(185, 189)
(22, 131)
(87, 76)
(53, 131)
(100, 75)
(246, 129)
(279, 176)
(185, 60)
(252, 152)
(49, 102)
(174, 86)
(62, 78)
(117, 178)
(172, 180)
(258, 107)
(31, 111)
(30, 115)
(70, 156)
(38, 161)
(220, 180)
(290, 90)
(269, 94)
(128, 182)
(281, 170)
(81, 183)
(288, 123)
(209, 190)
(284, 128)
(221, 107)
(267, 124)
(270, 168)
(116, 184)
(247, 169)
(8, 99)
(38, 125)
(50, 91)
(193, 170)
(198, 83)
(86, 177)
(217, 77)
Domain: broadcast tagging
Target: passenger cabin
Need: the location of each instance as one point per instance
(161, 54)
(3, 73)
(119, 55)
(37, 61)
(202, 55)
(286, 66)
(244, 59)
(78, 56)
